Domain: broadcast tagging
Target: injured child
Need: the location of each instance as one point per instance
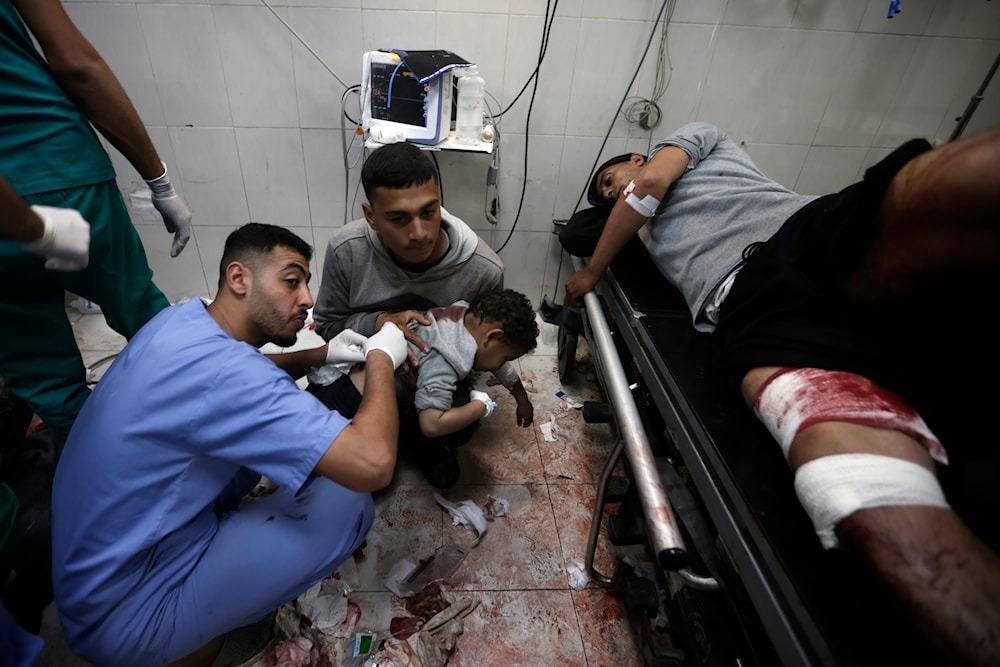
(439, 409)
(825, 309)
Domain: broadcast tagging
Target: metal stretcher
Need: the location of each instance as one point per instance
(746, 579)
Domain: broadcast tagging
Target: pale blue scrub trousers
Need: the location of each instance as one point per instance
(264, 554)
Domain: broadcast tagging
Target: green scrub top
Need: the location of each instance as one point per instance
(46, 143)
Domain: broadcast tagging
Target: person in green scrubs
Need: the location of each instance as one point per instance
(50, 101)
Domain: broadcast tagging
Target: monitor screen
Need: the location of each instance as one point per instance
(397, 96)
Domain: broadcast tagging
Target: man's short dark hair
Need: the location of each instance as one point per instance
(397, 166)
(593, 196)
(255, 239)
(512, 312)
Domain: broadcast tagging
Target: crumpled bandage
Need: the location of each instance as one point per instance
(551, 430)
(577, 573)
(466, 513)
(329, 373)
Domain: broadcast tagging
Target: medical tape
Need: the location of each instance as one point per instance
(795, 398)
(645, 207)
(831, 488)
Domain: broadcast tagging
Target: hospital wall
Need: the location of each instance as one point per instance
(250, 122)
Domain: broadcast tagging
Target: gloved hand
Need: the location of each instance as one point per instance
(390, 340)
(347, 346)
(65, 241)
(477, 395)
(176, 215)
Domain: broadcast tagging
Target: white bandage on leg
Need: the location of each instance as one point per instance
(795, 398)
(831, 488)
(645, 207)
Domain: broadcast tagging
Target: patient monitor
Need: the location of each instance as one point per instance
(396, 104)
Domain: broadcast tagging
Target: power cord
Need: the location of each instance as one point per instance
(546, 31)
(527, 121)
(645, 112)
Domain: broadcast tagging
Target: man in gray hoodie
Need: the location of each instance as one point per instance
(407, 256)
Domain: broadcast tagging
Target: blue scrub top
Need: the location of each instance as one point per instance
(177, 414)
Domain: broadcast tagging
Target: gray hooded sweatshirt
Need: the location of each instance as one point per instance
(361, 280)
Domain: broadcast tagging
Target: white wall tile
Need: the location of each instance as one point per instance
(115, 32)
(212, 180)
(778, 94)
(463, 183)
(555, 79)
(180, 277)
(328, 191)
(628, 10)
(689, 49)
(824, 15)
(938, 74)
(544, 157)
(699, 11)
(335, 35)
(762, 13)
(257, 61)
(397, 30)
(184, 52)
(911, 21)
(601, 76)
(482, 45)
(828, 169)
(400, 5)
(965, 18)
(970, 79)
(523, 258)
(566, 8)
(274, 174)
(476, 6)
(863, 93)
(579, 160)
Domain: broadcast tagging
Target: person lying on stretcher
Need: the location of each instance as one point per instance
(832, 313)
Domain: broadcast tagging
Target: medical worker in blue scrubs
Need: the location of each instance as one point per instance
(153, 562)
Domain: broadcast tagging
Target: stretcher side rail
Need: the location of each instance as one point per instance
(664, 537)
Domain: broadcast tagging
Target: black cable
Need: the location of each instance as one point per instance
(354, 88)
(437, 168)
(546, 32)
(635, 75)
(527, 123)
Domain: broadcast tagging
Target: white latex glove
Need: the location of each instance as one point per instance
(477, 395)
(347, 346)
(65, 240)
(176, 215)
(390, 340)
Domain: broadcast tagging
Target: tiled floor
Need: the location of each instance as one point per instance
(528, 612)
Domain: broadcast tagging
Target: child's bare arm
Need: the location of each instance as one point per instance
(525, 411)
(435, 423)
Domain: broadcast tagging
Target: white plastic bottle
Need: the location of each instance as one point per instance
(469, 107)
